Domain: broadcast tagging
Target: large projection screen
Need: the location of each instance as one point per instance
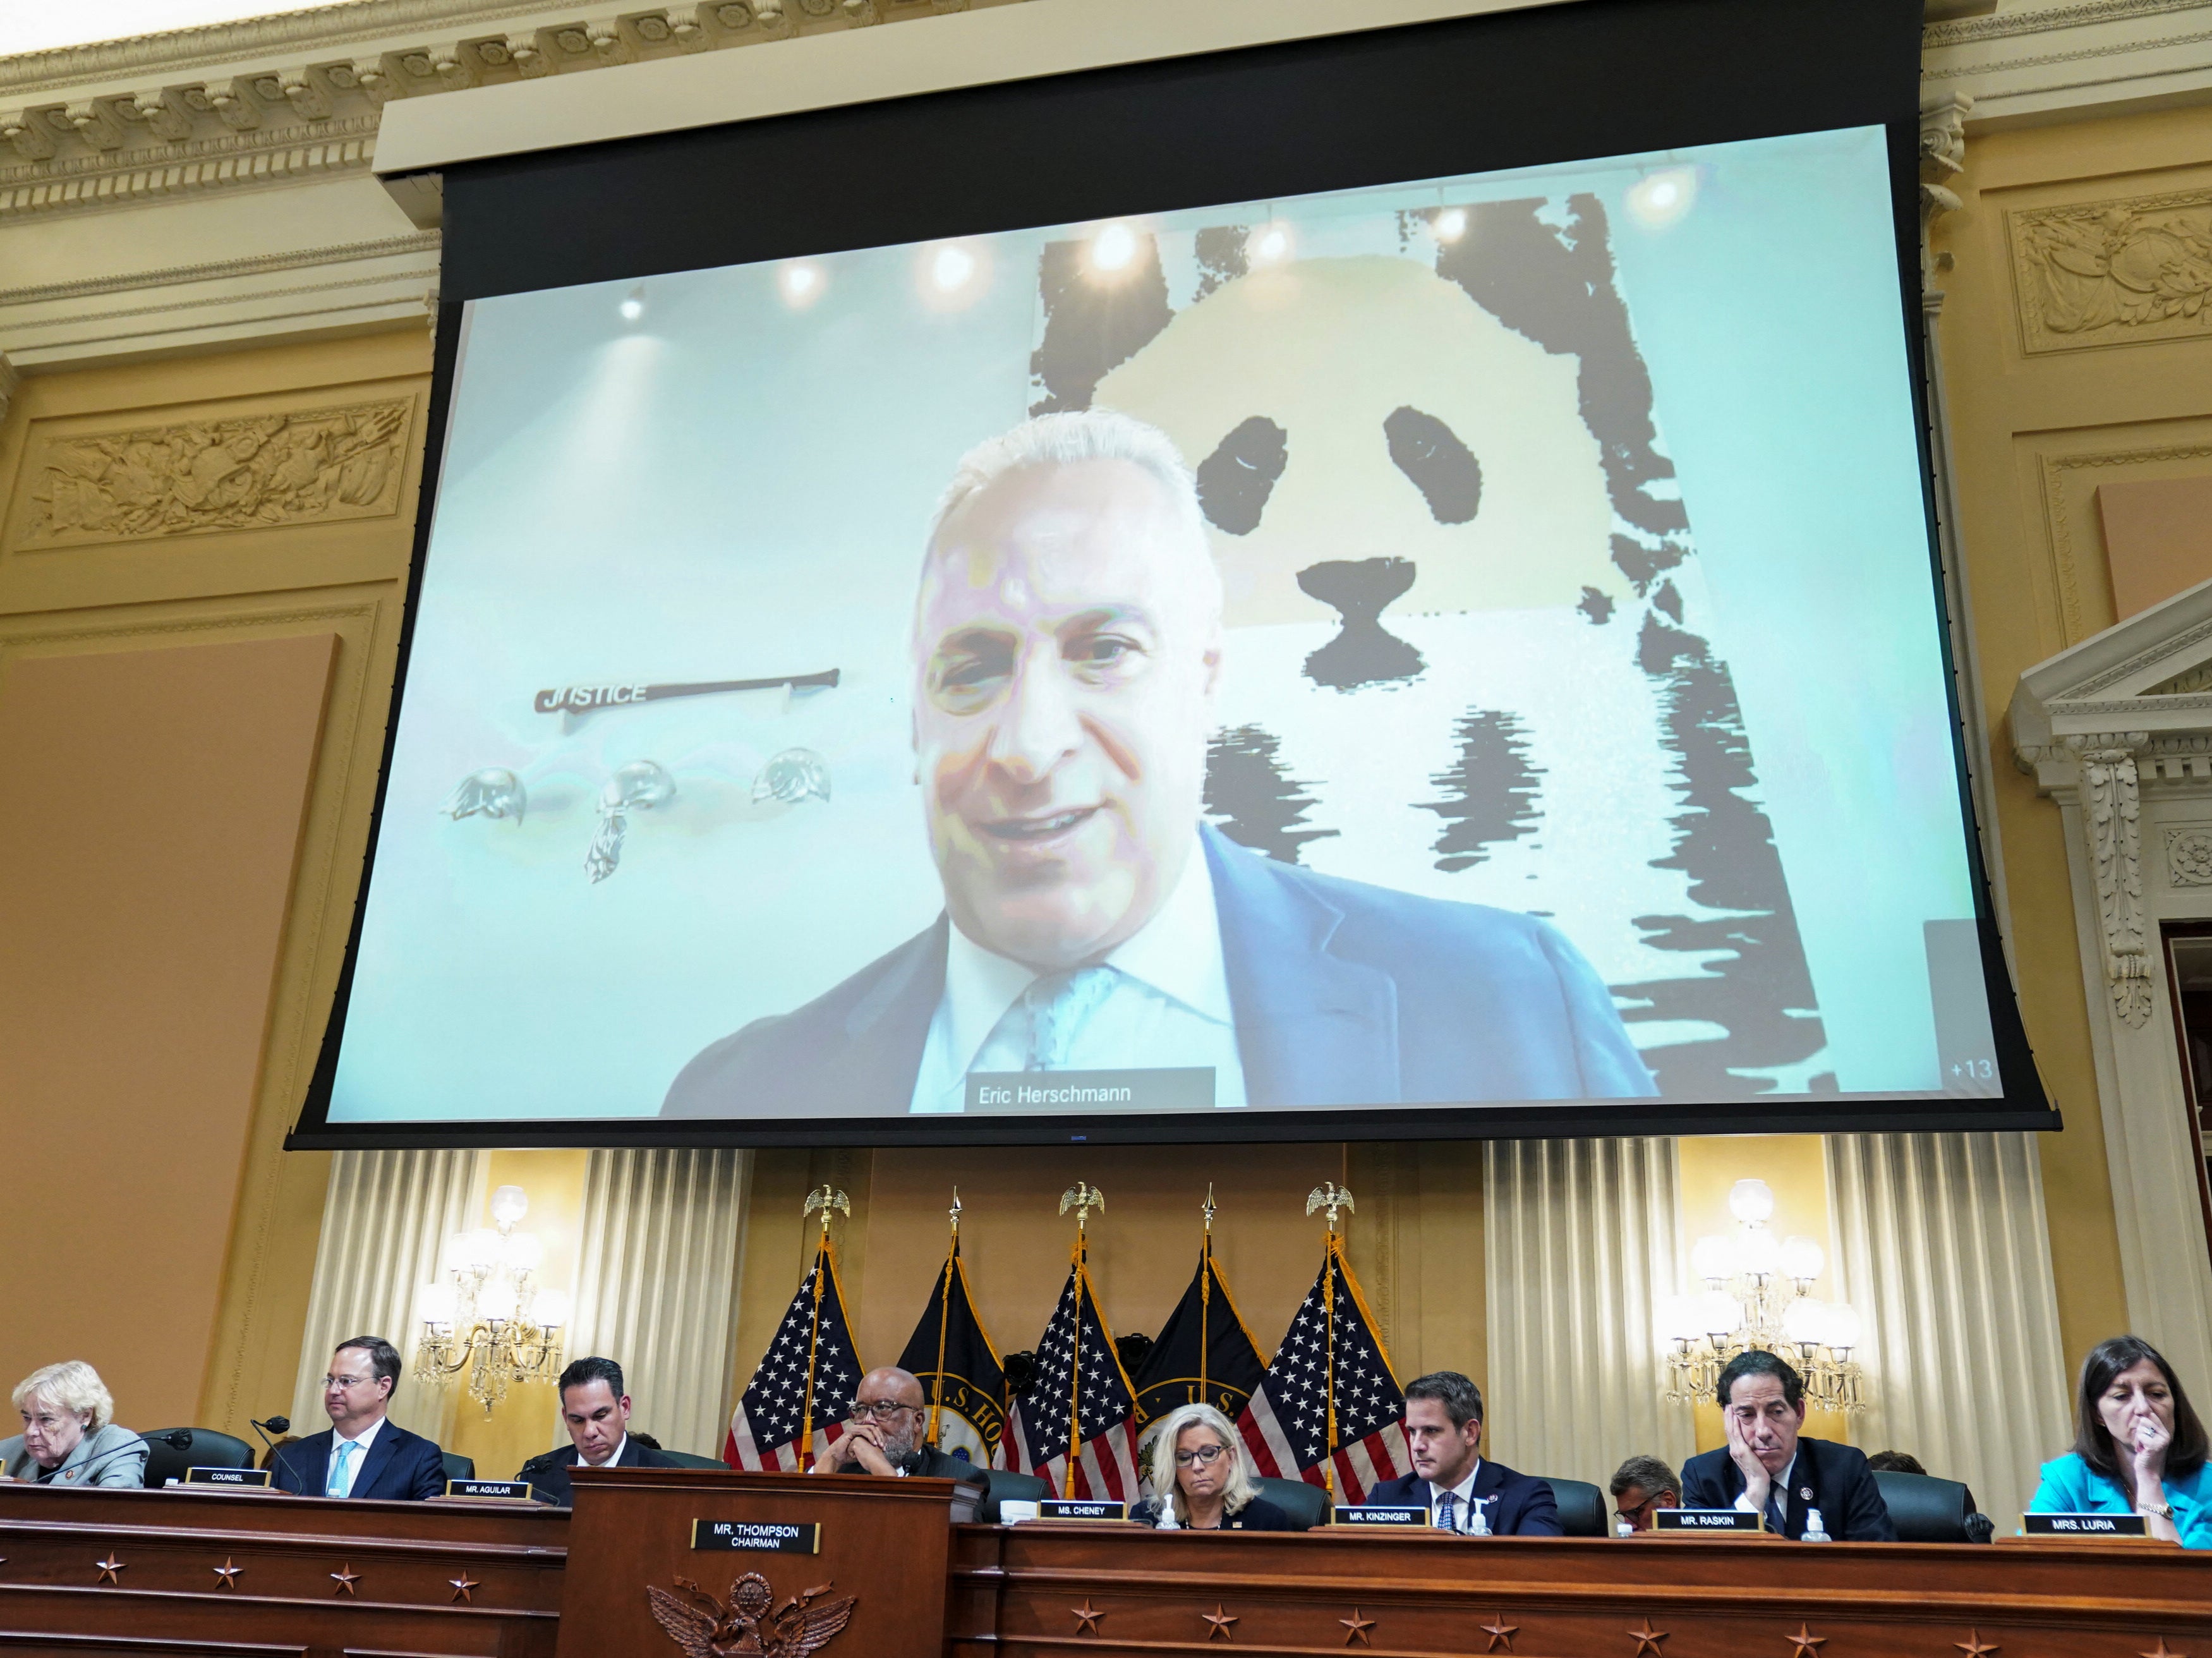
(1411, 623)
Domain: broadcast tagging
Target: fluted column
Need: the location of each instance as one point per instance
(1580, 1242)
(385, 1217)
(657, 1285)
(1943, 1245)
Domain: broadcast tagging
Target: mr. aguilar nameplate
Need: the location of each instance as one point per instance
(773, 1536)
(238, 1477)
(1376, 1514)
(1704, 1519)
(2083, 1525)
(490, 1491)
(1055, 1508)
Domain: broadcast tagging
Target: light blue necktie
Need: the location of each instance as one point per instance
(337, 1486)
(1446, 1520)
(1059, 1003)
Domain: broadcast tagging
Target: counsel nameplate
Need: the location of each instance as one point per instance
(1704, 1519)
(242, 1477)
(773, 1536)
(2083, 1525)
(1055, 1508)
(1381, 1514)
(490, 1491)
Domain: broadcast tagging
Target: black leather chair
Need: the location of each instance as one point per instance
(687, 1460)
(1307, 1505)
(1005, 1486)
(459, 1466)
(170, 1451)
(1583, 1510)
(1923, 1509)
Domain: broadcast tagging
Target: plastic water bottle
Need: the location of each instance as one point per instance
(1622, 1528)
(1478, 1520)
(1816, 1530)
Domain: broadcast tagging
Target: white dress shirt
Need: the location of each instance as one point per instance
(621, 1445)
(1168, 1006)
(1462, 1498)
(1778, 1487)
(360, 1441)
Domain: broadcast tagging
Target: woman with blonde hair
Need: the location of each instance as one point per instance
(1199, 1478)
(69, 1434)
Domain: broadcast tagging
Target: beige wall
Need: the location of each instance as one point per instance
(192, 706)
(2044, 410)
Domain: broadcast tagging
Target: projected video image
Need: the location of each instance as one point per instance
(1461, 642)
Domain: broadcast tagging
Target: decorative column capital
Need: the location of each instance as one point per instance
(2111, 808)
(1942, 161)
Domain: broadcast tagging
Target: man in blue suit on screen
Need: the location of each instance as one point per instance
(1463, 1493)
(362, 1452)
(1067, 645)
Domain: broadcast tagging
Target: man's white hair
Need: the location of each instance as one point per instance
(1077, 435)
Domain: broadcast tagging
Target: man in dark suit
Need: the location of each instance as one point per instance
(1769, 1468)
(1067, 646)
(596, 1413)
(1444, 1431)
(362, 1452)
(884, 1435)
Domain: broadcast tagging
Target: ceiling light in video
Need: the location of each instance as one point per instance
(953, 269)
(1269, 244)
(801, 284)
(633, 305)
(1449, 225)
(1113, 248)
(1663, 198)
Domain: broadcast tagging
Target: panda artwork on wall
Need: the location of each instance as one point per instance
(1469, 652)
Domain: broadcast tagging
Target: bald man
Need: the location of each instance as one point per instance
(884, 1435)
(1066, 648)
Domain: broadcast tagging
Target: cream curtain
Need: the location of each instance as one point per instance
(385, 1216)
(1944, 1248)
(1580, 1242)
(657, 1285)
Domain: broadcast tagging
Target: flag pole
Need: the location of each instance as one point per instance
(944, 1318)
(824, 1198)
(1205, 1297)
(1083, 1199)
(1332, 1197)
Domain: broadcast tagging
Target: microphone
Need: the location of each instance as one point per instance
(275, 1425)
(177, 1439)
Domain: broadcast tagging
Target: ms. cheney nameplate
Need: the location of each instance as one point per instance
(1074, 1507)
(776, 1537)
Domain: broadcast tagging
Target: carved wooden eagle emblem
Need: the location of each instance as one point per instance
(752, 1626)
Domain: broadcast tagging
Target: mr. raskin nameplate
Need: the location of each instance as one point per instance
(2083, 1525)
(238, 1477)
(1055, 1508)
(773, 1536)
(1704, 1519)
(1381, 1514)
(491, 1491)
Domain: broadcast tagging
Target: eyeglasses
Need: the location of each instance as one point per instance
(878, 1408)
(1206, 1456)
(347, 1380)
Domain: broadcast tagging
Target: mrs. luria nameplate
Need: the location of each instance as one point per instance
(2083, 1525)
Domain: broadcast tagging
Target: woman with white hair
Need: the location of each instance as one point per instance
(69, 1434)
(1197, 1461)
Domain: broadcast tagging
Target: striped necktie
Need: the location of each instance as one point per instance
(1446, 1520)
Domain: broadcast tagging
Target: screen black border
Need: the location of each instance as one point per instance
(1558, 83)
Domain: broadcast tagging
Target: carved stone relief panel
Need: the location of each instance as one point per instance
(2189, 854)
(243, 472)
(2069, 470)
(2115, 272)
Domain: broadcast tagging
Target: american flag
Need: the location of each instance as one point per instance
(1286, 1424)
(767, 1430)
(1105, 1404)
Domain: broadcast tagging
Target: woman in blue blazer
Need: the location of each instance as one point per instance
(2138, 1448)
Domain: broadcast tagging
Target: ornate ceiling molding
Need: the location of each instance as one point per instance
(2028, 65)
(2002, 26)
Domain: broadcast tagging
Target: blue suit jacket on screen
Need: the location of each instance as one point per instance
(400, 1467)
(1841, 1484)
(1343, 993)
(1516, 1504)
